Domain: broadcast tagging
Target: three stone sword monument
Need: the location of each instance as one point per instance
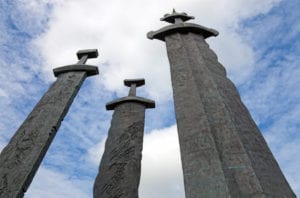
(20, 159)
(120, 168)
(223, 152)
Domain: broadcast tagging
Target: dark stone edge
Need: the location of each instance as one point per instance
(182, 28)
(149, 104)
(89, 69)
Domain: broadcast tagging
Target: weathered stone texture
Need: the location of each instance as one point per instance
(120, 168)
(223, 152)
(21, 158)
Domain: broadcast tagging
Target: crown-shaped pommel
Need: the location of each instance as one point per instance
(176, 17)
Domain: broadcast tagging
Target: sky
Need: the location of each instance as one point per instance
(259, 45)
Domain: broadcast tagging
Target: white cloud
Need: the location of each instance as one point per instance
(237, 55)
(271, 94)
(285, 145)
(119, 30)
(95, 152)
(19, 67)
(50, 184)
(161, 165)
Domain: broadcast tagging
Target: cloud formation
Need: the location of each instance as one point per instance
(119, 30)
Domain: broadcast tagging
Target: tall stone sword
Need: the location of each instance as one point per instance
(20, 159)
(120, 167)
(223, 152)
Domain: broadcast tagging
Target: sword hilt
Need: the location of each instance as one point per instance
(133, 84)
(83, 55)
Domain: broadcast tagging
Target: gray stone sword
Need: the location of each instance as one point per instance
(223, 152)
(20, 159)
(120, 167)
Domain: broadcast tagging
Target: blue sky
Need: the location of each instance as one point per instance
(258, 44)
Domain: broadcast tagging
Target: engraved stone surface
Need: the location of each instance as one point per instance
(223, 152)
(20, 159)
(120, 168)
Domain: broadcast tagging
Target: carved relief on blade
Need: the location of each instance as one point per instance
(125, 143)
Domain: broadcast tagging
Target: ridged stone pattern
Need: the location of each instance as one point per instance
(223, 152)
(120, 167)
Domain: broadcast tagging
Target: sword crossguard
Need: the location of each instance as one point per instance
(82, 55)
(133, 84)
